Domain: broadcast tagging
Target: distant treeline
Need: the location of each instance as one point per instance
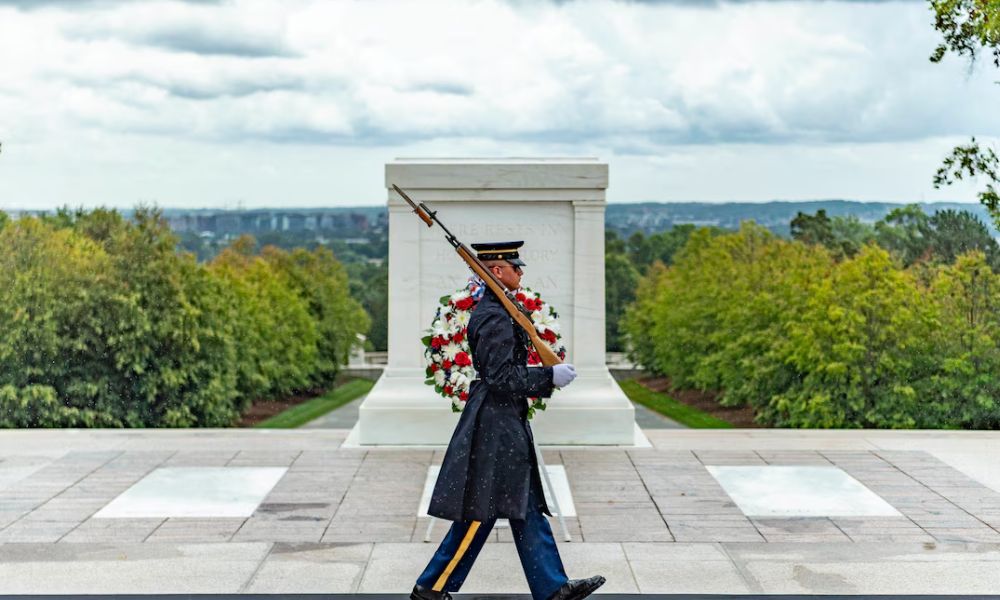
(105, 324)
(895, 324)
(653, 217)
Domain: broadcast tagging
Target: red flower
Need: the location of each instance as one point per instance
(533, 358)
(462, 359)
(446, 364)
(458, 337)
(549, 336)
(520, 297)
(437, 341)
(463, 396)
(434, 367)
(465, 303)
(447, 390)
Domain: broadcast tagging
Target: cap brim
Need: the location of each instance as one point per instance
(517, 261)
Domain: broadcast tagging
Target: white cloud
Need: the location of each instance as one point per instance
(806, 83)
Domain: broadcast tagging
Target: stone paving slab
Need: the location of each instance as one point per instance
(653, 520)
(128, 568)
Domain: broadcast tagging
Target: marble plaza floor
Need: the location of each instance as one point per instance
(291, 511)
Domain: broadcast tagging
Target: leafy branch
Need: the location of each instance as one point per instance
(971, 161)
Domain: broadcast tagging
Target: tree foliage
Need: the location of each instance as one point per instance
(907, 232)
(970, 28)
(105, 324)
(816, 337)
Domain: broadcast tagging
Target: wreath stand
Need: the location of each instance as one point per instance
(552, 494)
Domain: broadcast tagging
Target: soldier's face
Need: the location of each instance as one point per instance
(509, 275)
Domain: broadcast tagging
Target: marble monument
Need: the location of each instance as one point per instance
(557, 207)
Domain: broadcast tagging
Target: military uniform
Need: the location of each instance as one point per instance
(490, 470)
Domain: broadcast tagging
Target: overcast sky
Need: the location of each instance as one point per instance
(261, 103)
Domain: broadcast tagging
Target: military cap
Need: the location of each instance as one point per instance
(499, 251)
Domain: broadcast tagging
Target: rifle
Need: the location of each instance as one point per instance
(517, 312)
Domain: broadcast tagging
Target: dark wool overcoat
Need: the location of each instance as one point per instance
(490, 462)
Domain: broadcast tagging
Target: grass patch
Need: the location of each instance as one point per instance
(670, 408)
(318, 406)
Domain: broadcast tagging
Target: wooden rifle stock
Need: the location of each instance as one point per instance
(518, 313)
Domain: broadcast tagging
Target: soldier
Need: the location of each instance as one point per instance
(490, 470)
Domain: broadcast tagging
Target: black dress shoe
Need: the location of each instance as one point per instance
(576, 589)
(421, 593)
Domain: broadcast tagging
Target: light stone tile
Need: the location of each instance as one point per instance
(258, 530)
(131, 569)
(112, 531)
(892, 538)
(394, 568)
(311, 568)
(13, 469)
(264, 458)
(181, 529)
(980, 534)
(688, 577)
(607, 559)
(653, 552)
(200, 458)
(36, 531)
(716, 534)
(974, 577)
(370, 530)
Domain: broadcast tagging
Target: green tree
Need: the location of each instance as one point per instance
(843, 236)
(906, 233)
(713, 319)
(321, 281)
(970, 28)
(860, 345)
(369, 283)
(644, 250)
(965, 390)
(959, 232)
(620, 279)
(813, 229)
(640, 317)
(60, 307)
(275, 334)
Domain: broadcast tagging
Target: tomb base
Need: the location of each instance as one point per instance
(401, 411)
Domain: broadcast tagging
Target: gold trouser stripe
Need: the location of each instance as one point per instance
(466, 541)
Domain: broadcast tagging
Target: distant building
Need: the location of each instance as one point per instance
(294, 222)
(359, 221)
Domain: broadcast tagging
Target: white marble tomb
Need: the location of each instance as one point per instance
(557, 207)
(195, 492)
(799, 491)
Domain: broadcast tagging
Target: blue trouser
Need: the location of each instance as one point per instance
(535, 545)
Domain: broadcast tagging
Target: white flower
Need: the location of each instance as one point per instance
(450, 350)
(458, 380)
(461, 318)
(439, 377)
(460, 295)
(543, 320)
(439, 328)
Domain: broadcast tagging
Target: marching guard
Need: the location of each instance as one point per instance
(490, 470)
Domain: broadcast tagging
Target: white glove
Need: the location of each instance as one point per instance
(563, 375)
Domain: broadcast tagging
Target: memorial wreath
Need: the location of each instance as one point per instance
(449, 360)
